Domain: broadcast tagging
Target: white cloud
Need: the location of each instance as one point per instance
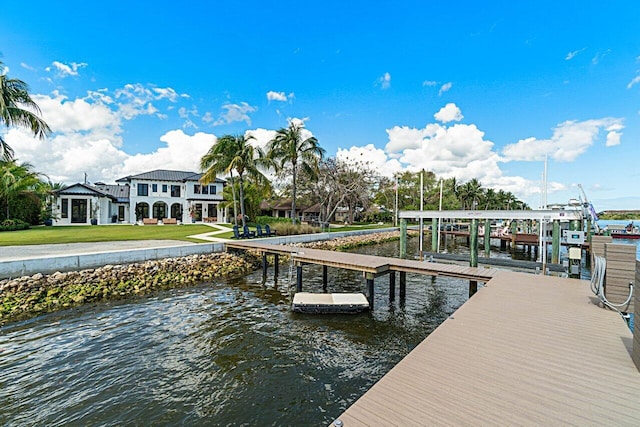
(261, 136)
(569, 140)
(613, 138)
(445, 88)
(279, 96)
(136, 99)
(235, 113)
(449, 113)
(384, 81)
(181, 152)
(64, 70)
(429, 83)
(376, 158)
(573, 54)
(633, 81)
(27, 66)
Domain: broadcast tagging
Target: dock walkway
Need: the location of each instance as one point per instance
(372, 264)
(525, 350)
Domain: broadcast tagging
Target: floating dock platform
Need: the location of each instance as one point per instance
(306, 302)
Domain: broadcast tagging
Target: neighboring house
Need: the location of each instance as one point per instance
(80, 203)
(157, 194)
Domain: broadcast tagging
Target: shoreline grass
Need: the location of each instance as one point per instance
(101, 233)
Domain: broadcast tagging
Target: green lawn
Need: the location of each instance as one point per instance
(106, 233)
(101, 233)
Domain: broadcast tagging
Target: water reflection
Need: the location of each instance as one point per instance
(218, 354)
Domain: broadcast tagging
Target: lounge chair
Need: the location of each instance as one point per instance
(268, 232)
(236, 233)
(247, 234)
(259, 232)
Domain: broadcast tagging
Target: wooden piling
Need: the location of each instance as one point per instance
(265, 264)
(403, 238)
(392, 286)
(370, 290)
(555, 242)
(298, 277)
(487, 238)
(276, 265)
(403, 285)
(434, 235)
(473, 253)
(324, 278)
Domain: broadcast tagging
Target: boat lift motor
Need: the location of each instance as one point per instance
(575, 259)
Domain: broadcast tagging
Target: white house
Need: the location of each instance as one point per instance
(157, 194)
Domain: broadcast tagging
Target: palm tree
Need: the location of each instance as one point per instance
(18, 109)
(290, 146)
(16, 180)
(233, 153)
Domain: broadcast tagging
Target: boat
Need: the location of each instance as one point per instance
(308, 302)
(629, 231)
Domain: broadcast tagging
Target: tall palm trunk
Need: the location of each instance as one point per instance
(293, 201)
(244, 220)
(233, 191)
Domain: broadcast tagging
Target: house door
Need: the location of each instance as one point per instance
(212, 210)
(120, 213)
(78, 211)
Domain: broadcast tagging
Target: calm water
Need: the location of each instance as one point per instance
(225, 353)
(218, 354)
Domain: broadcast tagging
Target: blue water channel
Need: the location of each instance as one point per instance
(223, 353)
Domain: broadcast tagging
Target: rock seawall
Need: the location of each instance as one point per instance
(29, 296)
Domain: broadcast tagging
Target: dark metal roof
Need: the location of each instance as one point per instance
(82, 189)
(166, 175)
(118, 193)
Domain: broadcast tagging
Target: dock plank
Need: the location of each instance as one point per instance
(524, 350)
(368, 263)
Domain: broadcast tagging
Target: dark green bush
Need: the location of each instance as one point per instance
(13, 225)
(264, 220)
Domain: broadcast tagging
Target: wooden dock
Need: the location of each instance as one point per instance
(525, 350)
(375, 265)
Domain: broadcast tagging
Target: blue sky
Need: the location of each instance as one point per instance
(462, 89)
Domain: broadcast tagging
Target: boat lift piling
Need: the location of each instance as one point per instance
(371, 267)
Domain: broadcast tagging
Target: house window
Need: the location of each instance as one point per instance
(196, 188)
(175, 191)
(65, 208)
(164, 188)
(212, 189)
(205, 189)
(143, 189)
(154, 188)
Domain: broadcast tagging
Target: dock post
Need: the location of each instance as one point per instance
(403, 238)
(555, 242)
(514, 231)
(392, 286)
(298, 277)
(370, 289)
(264, 263)
(324, 278)
(473, 256)
(276, 265)
(487, 238)
(403, 285)
(434, 235)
